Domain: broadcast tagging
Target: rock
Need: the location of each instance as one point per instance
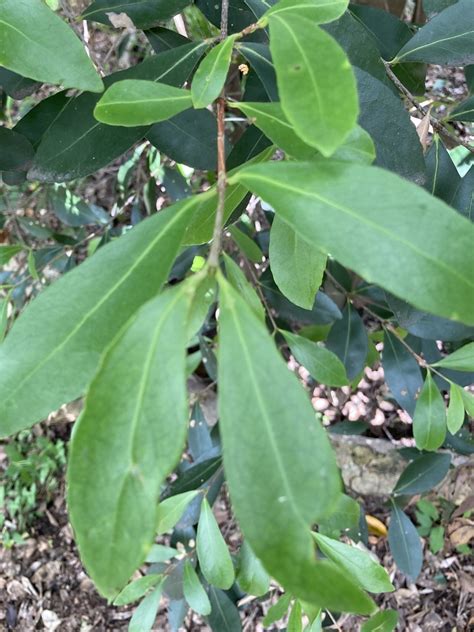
(50, 620)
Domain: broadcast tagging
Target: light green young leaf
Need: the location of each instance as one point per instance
(7, 252)
(382, 621)
(79, 315)
(295, 623)
(270, 118)
(137, 589)
(194, 592)
(213, 555)
(319, 11)
(134, 102)
(460, 360)
(455, 413)
(429, 420)
(3, 316)
(251, 576)
(246, 245)
(316, 84)
(345, 516)
(36, 43)
(144, 616)
(297, 265)
(322, 364)
(211, 74)
(468, 399)
(129, 437)
(358, 147)
(171, 510)
(278, 610)
(238, 280)
(160, 553)
(288, 495)
(332, 206)
(357, 563)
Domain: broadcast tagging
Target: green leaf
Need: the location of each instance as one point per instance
(247, 246)
(316, 84)
(429, 420)
(331, 205)
(404, 543)
(447, 39)
(251, 576)
(345, 516)
(7, 252)
(443, 179)
(137, 589)
(464, 111)
(422, 474)
(224, 616)
(455, 414)
(87, 145)
(460, 360)
(194, 592)
(16, 152)
(131, 433)
(468, 399)
(37, 44)
(357, 147)
(238, 280)
(318, 11)
(79, 315)
(211, 74)
(16, 86)
(322, 364)
(213, 555)
(144, 616)
(163, 39)
(297, 266)
(382, 621)
(402, 372)
(295, 623)
(436, 539)
(171, 510)
(348, 340)
(160, 553)
(4, 302)
(143, 13)
(288, 495)
(270, 118)
(131, 103)
(357, 563)
(278, 610)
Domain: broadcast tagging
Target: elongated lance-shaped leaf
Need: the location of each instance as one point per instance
(214, 557)
(460, 360)
(455, 412)
(144, 13)
(131, 103)
(404, 542)
(211, 74)
(341, 206)
(319, 11)
(37, 44)
(128, 439)
(194, 592)
(79, 315)
(429, 420)
(316, 84)
(274, 446)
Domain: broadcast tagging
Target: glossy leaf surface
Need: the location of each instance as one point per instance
(429, 420)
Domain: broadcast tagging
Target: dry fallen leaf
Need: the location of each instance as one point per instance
(461, 531)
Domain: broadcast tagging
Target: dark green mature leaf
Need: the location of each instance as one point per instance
(443, 179)
(39, 119)
(435, 6)
(464, 199)
(404, 542)
(131, 103)
(460, 360)
(322, 364)
(348, 340)
(30, 47)
(422, 474)
(211, 74)
(288, 495)
(16, 151)
(447, 39)
(131, 434)
(189, 138)
(259, 7)
(464, 111)
(194, 592)
(429, 420)
(455, 413)
(316, 83)
(332, 205)
(16, 86)
(251, 576)
(224, 616)
(163, 39)
(87, 145)
(143, 13)
(260, 60)
(318, 11)
(356, 563)
(402, 372)
(382, 621)
(73, 210)
(213, 555)
(79, 315)
(297, 266)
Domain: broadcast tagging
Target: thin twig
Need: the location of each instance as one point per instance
(437, 125)
(213, 259)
